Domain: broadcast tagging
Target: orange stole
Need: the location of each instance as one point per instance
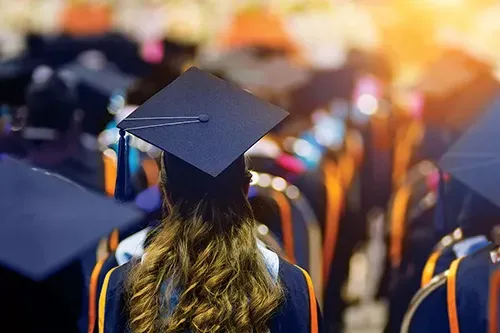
(493, 302)
(334, 200)
(102, 301)
(451, 296)
(286, 224)
(93, 295)
(429, 268)
(398, 215)
(86, 19)
(312, 302)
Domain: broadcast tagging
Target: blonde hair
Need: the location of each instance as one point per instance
(202, 275)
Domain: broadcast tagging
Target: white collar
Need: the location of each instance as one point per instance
(133, 247)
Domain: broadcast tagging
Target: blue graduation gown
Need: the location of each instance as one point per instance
(445, 254)
(463, 291)
(297, 314)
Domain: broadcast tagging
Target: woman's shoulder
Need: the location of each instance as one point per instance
(115, 278)
(299, 312)
(428, 309)
(112, 300)
(293, 277)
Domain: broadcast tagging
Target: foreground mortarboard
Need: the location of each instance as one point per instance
(203, 120)
(474, 159)
(47, 221)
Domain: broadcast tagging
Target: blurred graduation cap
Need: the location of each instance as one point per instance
(474, 159)
(175, 48)
(457, 88)
(15, 75)
(323, 87)
(96, 83)
(57, 51)
(203, 120)
(274, 74)
(48, 221)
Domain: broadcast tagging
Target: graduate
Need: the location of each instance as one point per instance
(476, 218)
(15, 75)
(457, 300)
(204, 270)
(412, 238)
(48, 132)
(456, 90)
(46, 226)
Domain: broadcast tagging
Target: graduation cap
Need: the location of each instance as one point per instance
(51, 100)
(203, 121)
(474, 159)
(457, 89)
(322, 88)
(48, 221)
(15, 75)
(106, 80)
(96, 86)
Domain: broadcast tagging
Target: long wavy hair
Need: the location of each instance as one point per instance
(202, 271)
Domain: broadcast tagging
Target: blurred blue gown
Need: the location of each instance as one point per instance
(431, 307)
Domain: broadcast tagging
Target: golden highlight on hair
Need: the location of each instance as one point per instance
(218, 278)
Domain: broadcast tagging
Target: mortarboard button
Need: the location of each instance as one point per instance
(47, 221)
(474, 159)
(203, 120)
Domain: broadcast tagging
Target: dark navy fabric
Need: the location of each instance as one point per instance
(301, 237)
(444, 261)
(108, 265)
(431, 315)
(472, 295)
(473, 279)
(451, 194)
(52, 305)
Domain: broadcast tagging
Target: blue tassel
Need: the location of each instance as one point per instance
(122, 189)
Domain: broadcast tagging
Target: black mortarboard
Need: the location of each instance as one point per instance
(457, 90)
(15, 75)
(50, 99)
(105, 81)
(95, 88)
(474, 159)
(323, 87)
(47, 221)
(203, 120)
